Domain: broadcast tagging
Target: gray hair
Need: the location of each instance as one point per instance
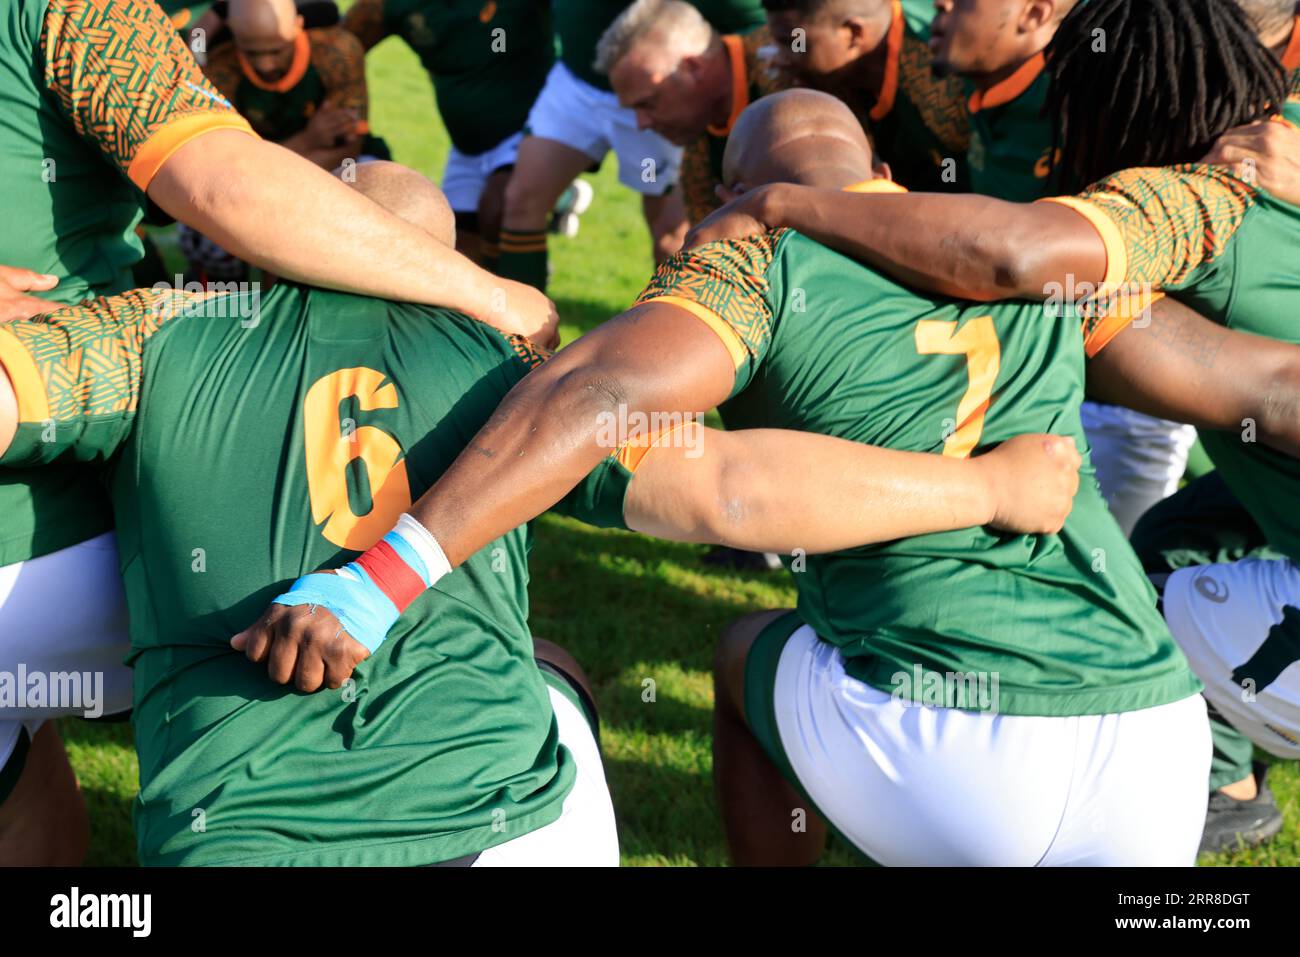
(669, 22)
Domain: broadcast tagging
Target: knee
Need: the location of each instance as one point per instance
(525, 201)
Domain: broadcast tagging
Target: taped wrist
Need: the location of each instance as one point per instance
(367, 596)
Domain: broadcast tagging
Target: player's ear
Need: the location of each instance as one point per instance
(858, 35)
(690, 68)
(882, 171)
(1038, 14)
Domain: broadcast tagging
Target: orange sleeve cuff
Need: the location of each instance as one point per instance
(1127, 309)
(29, 388)
(730, 338)
(631, 455)
(158, 148)
(1116, 251)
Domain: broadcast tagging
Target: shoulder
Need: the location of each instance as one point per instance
(334, 47)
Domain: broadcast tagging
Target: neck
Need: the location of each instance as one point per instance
(717, 70)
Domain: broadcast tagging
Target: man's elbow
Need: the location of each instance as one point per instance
(999, 266)
(1280, 425)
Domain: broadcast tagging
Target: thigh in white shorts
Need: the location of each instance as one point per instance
(465, 176)
(575, 113)
(909, 784)
(1239, 626)
(1139, 459)
(584, 835)
(63, 627)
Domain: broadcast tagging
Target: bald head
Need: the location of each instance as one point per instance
(266, 33)
(257, 20)
(407, 195)
(799, 136)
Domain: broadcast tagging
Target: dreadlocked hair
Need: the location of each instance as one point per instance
(1172, 76)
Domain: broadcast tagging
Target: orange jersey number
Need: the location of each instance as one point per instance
(331, 449)
(978, 342)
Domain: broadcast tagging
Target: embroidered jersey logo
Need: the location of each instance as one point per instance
(1211, 589)
(488, 12)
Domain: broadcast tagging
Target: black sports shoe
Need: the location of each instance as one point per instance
(1231, 825)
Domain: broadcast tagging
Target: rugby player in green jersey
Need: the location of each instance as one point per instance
(968, 697)
(302, 88)
(487, 60)
(1221, 243)
(104, 107)
(687, 82)
(577, 120)
(448, 744)
(875, 56)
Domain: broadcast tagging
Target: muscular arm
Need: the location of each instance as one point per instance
(277, 210)
(546, 436)
(756, 490)
(969, 246)
(1184, 367)
(160, 122)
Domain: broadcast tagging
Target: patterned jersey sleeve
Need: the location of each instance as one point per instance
(941, 101)
(1161, 226)
(77, 374)
(698, 184)
(725, 285)
(365, 21)
(341, 63)
(128, 83)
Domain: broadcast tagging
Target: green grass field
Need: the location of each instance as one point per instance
(629, 608)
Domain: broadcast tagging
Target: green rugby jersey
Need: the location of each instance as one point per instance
(328, 67)
(94, 96)
(243, 450)
(1010, 155)
(1230, 251)
(1067, 623)
(487, 59)
(579, 25)
(918, 121)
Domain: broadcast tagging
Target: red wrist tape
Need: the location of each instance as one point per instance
(399, 582)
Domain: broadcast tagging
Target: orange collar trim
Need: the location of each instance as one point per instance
(1000, 94)
(1291, 58)
(735, 48)
(297, 69)
(893, 53)
(875, 186)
